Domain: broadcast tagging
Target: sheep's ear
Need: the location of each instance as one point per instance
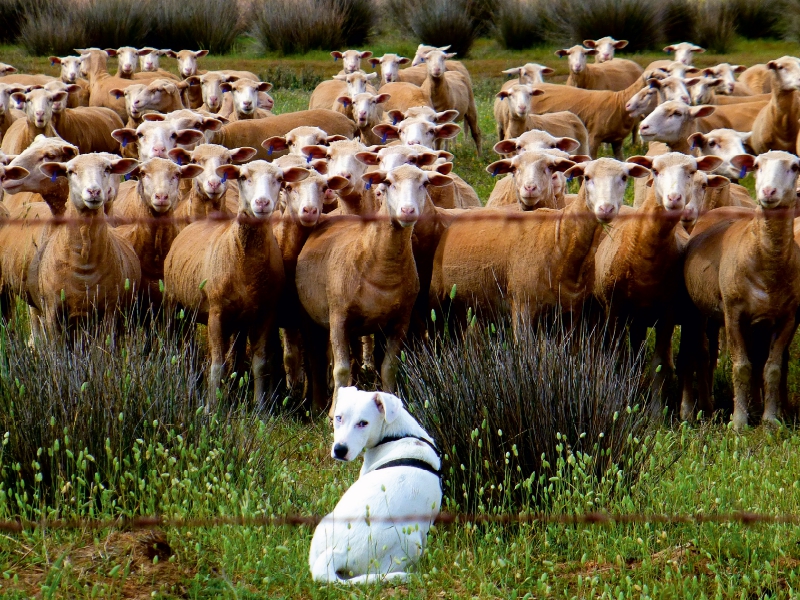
(365, 54)
(645, 161)
(500, 167)
(575, 171)
(20, 99)
(228, 171)
(72, 88)
(444, 168)
(738, 68)
(145, 51)
(445, 116)
(567, 144)
(514, 71)
(209, 124)
(15, 173)
(744, 135)
(116, 93)
(717, 181)
(403, 60)
(772, 65)
(123, 166)
(446, 131)
(698, 49)
(124, 136)
(344, 101)
(381, 98)
(108, 51)
(580, 158)
(180, 156)
(590, 43)
(389, 405)
(320, 166)
(294, 174)
(547, 71)
(374, 62)
(506, 146)
(696, 140)
(374, 178)
(337, 182)
(425, 159)
(654, 83)
(561, 164)
(620, 44)
(225, 87)
(60, 96)
(702, 111)
(54, 60)
(669, 49)
(743, 161)
(368, 158)
(315, 151)
(275, 143)
(243, 154)
(54, 169)
(335, 138)
(537, 92)
(561, 53)
(438, 179)
(637, 171)
(396, 115)
(171, 54)
(201, 53)
(591, 51)
(696, 80)
(449, 55)
(154, 117)
(188, 136)
(340, 77)
(371, 76)
(191, 171)
(502, 94)
(386, 131)
(709, 163)
(264, 86)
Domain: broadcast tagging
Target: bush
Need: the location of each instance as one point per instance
(678, 20)
(12, 13)
(521, 24)
(211, 25)
(483, 13)
(116, 23)
(714, 25)
(758, 19)
(443, 23)
(298, 26)
(360, 20)
(54, 27)
(508, 409)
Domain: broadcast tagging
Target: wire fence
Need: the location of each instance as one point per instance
(440, 519)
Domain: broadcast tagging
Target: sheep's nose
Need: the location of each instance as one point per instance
(339, 451)
(247, 104)
(214, 183)
(39, 113)
(159, 151)
(310, 210)
(93, 191)
(213, 100)
(262, 204)
(605, 212)
(674, 197)
(530, 188)
(161, 197)
(768, 191)
(408, 211)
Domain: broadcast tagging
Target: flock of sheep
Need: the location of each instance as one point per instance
(343, 225)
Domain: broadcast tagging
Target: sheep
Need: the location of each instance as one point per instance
(211, 88)
(421, 57)
(367, 113)
(602, 111)
(727, 73)
(612, 75)
(742, 273)
(532, 264)
(160, 95)
(416, 130)
(187, 66)
(511, 109)
(672, 123)
(757, 79)
(450, 90)
(94, 66)
(528, 73)
(777, 125)
(606, 47)
(710, 192)
(71, 74)
(531, 183)
(80, 271)
(89, 128)
(252, 133)
(672, 68)
(351, 59)
(8, 114)
(638, 266)
(38, 105)
(355, 198)
(704, 90)
(150, 59)
(404, 96)
(157, 196)
(725, 143)
(249, 99)
(327, 93)
(373, 257)
(684, 52)
(536, 139)
(390, 66)
(207, 123)
(672, 88)
(231, 273)
(155, 138)
(298, 138)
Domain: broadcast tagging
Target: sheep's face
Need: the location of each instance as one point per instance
(211, 88)
(70, 68)
(673, 88)
(422, 132)
(42, 150)
(356, 82)
(727, 74)
(673, 175)
(260, 185)
(127, 59)
(150, 59)
(536, 140)
(187, 61)
(245, 95)
(359, 419)
(59, 105)
(156, 138)
(342, 162)
(300, 137)
(642, 103)
(390, 66)
(576, 57)
(159, 183)
(5, 96)
(787, 71)
(702, 89)
(135, 99)
(210, 157)
(698, 202)
(534, 174)
(724, 143)
(606, 47)
(405, 192)
(519, 99)
(351, 59)
(684, 52)
(529, 73)
(304, 199)
(39, 105)
(394, 156)
(667, 123)
(188, 119)
(604, 183)
(367, 109)
(776, 177)
(89, 178)
(436, 61)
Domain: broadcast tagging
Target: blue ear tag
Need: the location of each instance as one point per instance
(383, 139)
(224, 177)
(127, 176)
(335, 58)
(394, 120)
(124, 142)
(368, 185)
(496, 171)
(743, 173)
(52, 64)
(53, 177)
(308, 158)
(570, 178)
(345, 103)
(269, 151)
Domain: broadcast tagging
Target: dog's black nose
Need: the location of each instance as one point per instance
(339, 451)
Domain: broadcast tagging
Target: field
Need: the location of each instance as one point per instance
(111, 427)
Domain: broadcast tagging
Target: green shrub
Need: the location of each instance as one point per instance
(200, 24)
(678, 21)
(714, 25)
(505, 407)
(12, 14)
(298, 26)
(116, 23)
(55, 27)
(436, 22)
(521, 24)
(758, 19)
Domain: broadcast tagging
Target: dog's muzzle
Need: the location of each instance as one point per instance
(339, 451)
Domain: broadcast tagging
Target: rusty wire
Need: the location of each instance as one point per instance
(445, 518)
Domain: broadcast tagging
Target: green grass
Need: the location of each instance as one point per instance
(706, 469)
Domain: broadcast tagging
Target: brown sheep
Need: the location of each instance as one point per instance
(527, 74)
(187, 66)
(84, 270)
(614, 75)
(420, 57)
(390, 67)
(741, 273)
(71, 74)
(94, 66)
(606, 48)
(403, 96)
(355, 198)
(248, 99)
(757, 79)
(777, 125)
(357, 278)
(160, 95)
(231, 272)
(154, 139)
(531, 184)
(8, 114)
(38, 104)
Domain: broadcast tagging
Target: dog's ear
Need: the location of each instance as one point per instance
(389, 405)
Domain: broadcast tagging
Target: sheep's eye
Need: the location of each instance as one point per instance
(288, 187)
(624, 178)
(108, 170)
(587, 178)
(174, 136)
(140, 135)
(794, 168)
(655, 172)
(361, 424)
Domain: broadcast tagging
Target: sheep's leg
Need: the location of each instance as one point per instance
(258, 344)
(292, 357)
(662, 363)
(471, 118)
(315, 340)
(594, 146)
(218, 343)
(37, 327)
(692, 359)
(368, 354)
(773, 370)
(340, 345)
(390, 364)
(617, 148)
(742, 370)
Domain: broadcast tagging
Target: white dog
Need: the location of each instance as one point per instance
(360, 541)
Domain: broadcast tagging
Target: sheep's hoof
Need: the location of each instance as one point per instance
(770, 421)
(739, 421)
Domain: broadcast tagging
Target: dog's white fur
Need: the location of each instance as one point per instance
(349, 548)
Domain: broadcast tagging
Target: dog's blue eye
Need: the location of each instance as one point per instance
(338, 418)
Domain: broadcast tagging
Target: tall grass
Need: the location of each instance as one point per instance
(200, 24)
(758, 19)
(437, 22)
(521, 24)
(116, 23)
(12, 13)
(505, 408)
(52, 27)
(714, 25)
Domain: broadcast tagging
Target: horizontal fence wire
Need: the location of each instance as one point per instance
(442, 519)
(475, 214)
